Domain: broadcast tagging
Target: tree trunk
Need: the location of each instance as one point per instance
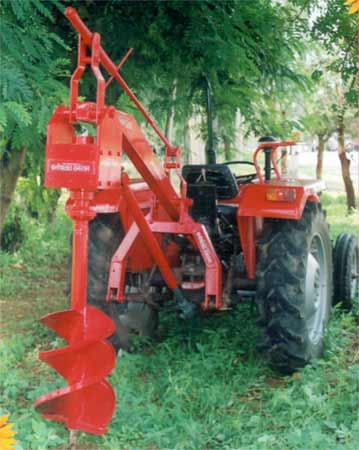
(227, 148)
(187, 142)
(171, 113)
(10, 168)
(52, 204)
(320, 156)
(345, 163)
(49, 198)
(211, 153)
(284, 161)
(238, 126)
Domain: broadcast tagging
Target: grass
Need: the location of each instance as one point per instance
(339, 220)
(33, 278)
(203, 387)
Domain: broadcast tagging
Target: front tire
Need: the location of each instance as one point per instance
(294, 288)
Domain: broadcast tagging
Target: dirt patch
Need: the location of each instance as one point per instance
(32, 299)
(275, 382)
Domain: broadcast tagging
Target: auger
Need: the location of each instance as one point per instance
(73, 162)
(146, 245)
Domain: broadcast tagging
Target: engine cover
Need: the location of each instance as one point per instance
(204, 207)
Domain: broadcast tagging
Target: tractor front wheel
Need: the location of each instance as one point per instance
(294, 288)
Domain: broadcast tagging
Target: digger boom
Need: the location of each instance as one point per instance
(91, 168)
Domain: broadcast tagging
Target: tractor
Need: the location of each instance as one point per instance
(193, 240)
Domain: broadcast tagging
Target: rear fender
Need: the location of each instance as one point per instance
(254, 202)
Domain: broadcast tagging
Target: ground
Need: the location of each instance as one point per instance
(204, 386)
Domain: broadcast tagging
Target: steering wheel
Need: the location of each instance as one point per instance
(249, 163)
(247, 178)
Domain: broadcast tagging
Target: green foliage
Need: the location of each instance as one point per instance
(31, 80)
(329, 24)
(38, 202)
(319, 117)
(246, 49)
(250, 51)
(33, 205)
(43, 247)
(30, 68)
(337, 31)
(13, 232)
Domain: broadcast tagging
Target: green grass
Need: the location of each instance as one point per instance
(203, 387)
(337, 217)
(44, 247)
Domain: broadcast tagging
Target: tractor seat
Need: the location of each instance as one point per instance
(218, 175)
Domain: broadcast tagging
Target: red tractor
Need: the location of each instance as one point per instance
(144, 245)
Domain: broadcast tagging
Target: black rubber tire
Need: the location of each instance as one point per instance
(281, 279)
(133, 319)
(346, 251)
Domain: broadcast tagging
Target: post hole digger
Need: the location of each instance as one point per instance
(141, 246)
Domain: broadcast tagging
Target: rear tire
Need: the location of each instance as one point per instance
(294, 288)
(346, 269)
(131, 319)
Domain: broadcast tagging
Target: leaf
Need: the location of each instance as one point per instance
(19, 112)
(39, 6)
(317, 74)
(3, 119)
(20, 8)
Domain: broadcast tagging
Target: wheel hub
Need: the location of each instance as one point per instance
(315, 290)
(354, 275)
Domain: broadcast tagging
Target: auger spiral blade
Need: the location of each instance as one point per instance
(88, 402)
(86, 408)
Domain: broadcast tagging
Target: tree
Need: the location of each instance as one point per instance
(246, 49)
(32, 65)
(319, 115)
(342, 111)
(336, 31)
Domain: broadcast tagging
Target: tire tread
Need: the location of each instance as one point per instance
(281, 288)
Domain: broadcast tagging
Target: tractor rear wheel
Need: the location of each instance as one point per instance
(131, 319)
(346, 269)
(294, 288)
